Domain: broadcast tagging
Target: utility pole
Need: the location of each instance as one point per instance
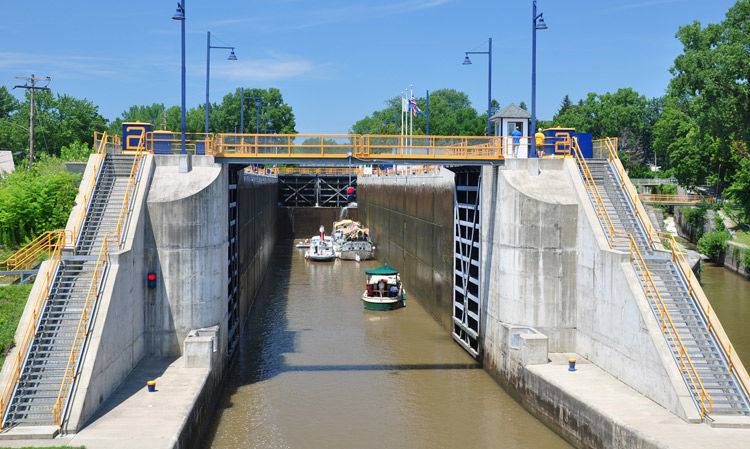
(31, 86)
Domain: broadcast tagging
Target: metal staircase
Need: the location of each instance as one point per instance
(705, 365)
(50, 365)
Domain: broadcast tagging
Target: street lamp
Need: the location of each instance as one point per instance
(242, 112)
(467, 61)
(231, 57)
(180, 16)
(537, 23)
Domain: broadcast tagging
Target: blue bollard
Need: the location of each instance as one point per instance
(151, 384)
(571, 364)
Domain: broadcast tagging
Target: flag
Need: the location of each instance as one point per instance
(404, 105)
(414, 108)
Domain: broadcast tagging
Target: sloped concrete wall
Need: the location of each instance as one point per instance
(411, 222)
(186, 246)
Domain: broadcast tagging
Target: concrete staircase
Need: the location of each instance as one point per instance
(45, 364)
(727, 395)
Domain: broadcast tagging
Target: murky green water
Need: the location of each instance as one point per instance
(729, 294)
(317, 371)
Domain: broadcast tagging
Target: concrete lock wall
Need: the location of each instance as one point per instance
(257, 215)
(411, 222)
(547, 265)
(304, 222)
(186, 246)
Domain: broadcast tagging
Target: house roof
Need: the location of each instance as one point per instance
(511, 111)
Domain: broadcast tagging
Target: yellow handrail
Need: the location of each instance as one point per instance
(28, 335)
(28, 256)
(688, 200)
(667, 326)
(91, 297)
(712, 320)
(614, 235)
(88, 189)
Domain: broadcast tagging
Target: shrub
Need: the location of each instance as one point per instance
(76, 151)
(35, 200)
(746, 260)
(714, 243)
(695, 217)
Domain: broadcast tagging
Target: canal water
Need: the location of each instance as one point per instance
(729, 294)
(315, 370)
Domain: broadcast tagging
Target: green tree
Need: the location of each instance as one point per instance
(276, 116)
(154, 113)
(451, 114)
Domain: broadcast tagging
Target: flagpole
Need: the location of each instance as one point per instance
(427, 114)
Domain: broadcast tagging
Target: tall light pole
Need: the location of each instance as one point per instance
(231, 57)
(242, 112)
(180, 15)
(467, 61)
(537, 23)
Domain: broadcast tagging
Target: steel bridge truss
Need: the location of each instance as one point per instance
(315, 190)
(466, 259)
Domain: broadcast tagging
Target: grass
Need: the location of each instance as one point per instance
(742, 237)
(12, 302)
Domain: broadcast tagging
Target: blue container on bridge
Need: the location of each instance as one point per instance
(133, 134)
(163, 142)
(555, 135)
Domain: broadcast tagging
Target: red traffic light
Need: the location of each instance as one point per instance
(152, 276)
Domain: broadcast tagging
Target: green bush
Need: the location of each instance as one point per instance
(714, 243)
(35, 200)
(667, 189)
(746, 260)
(12, 301)
(76, 152)
(695, 217)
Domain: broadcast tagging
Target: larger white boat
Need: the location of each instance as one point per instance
(351, 241)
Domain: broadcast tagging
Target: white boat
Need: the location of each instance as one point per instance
(304, 244)
(351, 241)
(321, 248)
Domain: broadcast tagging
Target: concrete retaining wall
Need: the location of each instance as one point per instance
(186, 246)
(304, 222)
(734, 258)
(411, 222)
(257, 215)
(547, 265)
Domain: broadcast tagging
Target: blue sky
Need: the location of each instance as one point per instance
(337, 60)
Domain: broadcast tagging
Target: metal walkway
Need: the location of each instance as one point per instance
(47, 369)
(710, 368)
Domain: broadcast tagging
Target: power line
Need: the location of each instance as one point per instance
(31, 86)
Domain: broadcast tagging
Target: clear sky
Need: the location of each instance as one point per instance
(337, 60)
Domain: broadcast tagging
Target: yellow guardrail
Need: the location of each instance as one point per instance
(669, 329)
(16, 363)
(88, 189)
(112, 242)
(333, 171)
(408, 170)
(679, 199)
(615, 237)
(30, 254)
(712, 320)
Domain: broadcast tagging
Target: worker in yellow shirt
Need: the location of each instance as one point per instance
(539, 137)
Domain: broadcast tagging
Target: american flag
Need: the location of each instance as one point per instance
(414, 108)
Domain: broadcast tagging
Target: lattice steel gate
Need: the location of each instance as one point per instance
(466, 260)
(322, 190)
(232, 266)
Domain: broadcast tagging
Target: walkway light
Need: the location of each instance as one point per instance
(180, 13)
(467, 60)
(232, 56)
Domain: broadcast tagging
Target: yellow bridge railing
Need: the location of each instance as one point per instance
(676, 200)
(41, 248)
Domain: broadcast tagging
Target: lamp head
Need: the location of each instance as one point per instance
(467, 60)
(232, 56)
(180, 13)
(540, 25)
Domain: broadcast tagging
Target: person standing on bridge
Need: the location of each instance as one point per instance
(539, 137)
(516, 140)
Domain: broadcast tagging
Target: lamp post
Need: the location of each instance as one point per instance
(180, 16)
(537, 23)
(467, 61)
(242, 112)
(231, 57)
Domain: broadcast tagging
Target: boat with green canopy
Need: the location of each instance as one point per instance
(384, 290)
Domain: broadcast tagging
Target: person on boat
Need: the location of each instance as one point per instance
(393, 290)
(381, 287)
